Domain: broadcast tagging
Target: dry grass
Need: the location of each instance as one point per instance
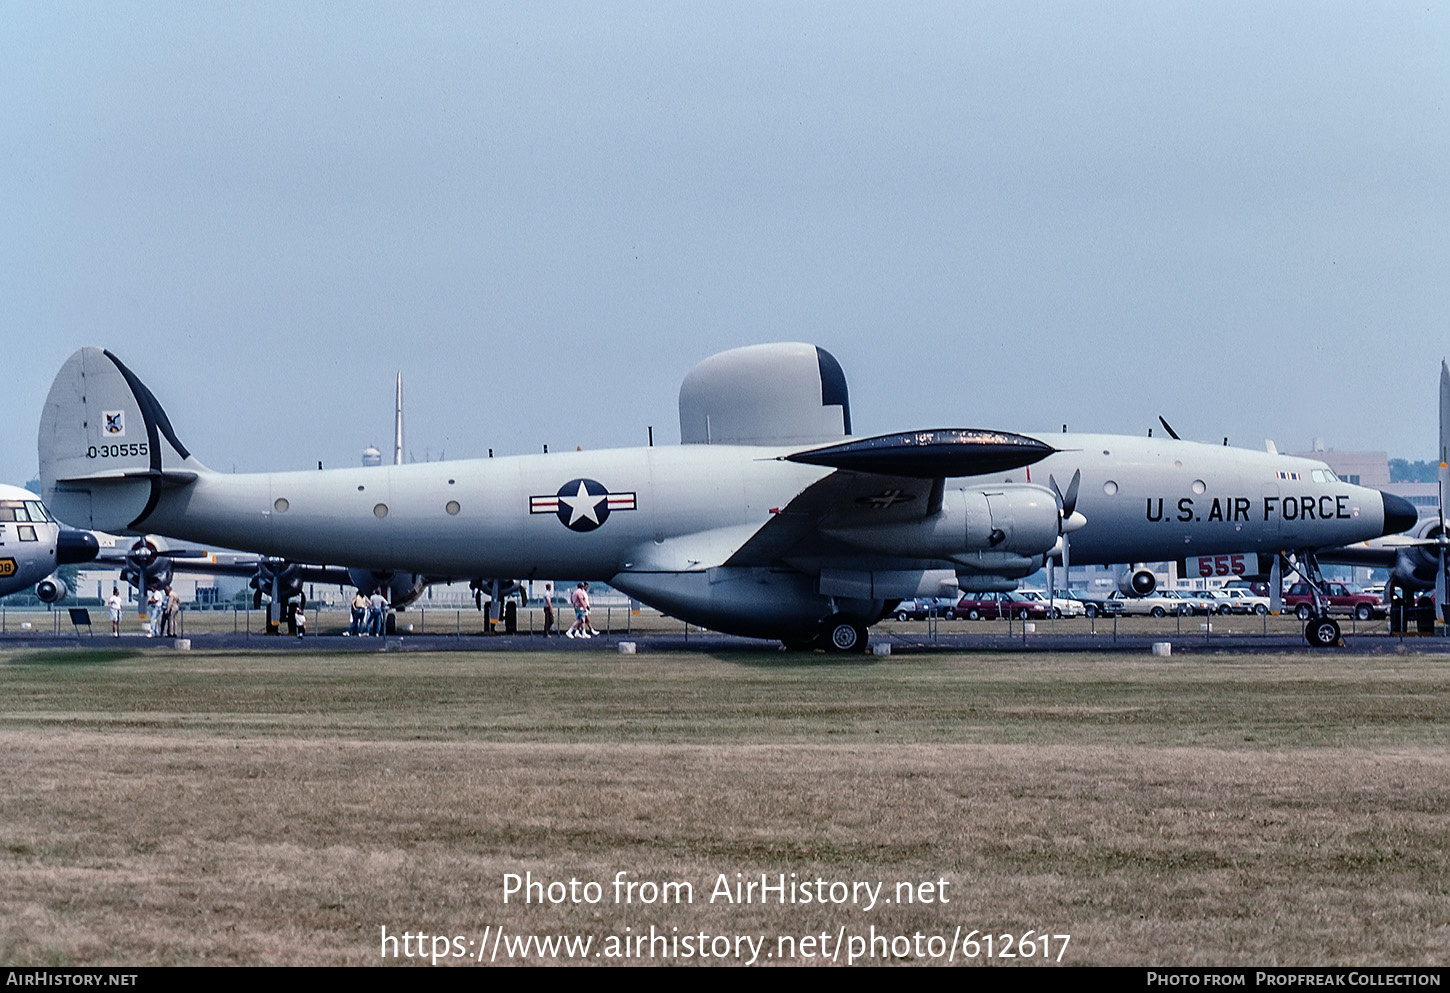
(191, 807)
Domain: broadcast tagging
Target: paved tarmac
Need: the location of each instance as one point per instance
(1184, 643)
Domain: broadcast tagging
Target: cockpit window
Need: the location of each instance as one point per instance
(37, 511)
(13, 510)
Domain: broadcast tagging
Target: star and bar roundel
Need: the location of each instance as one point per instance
(582, 504)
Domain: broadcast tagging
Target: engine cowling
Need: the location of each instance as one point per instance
(52, 590)
(996, 530)
(1137, 582)
(272, 573)
(146, 567)
(401, 588)
(1415, 567)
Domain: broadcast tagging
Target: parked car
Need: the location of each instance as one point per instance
(920, 608)
(1156, 605)
(1191, 602)
(1099, 605)
(988, 606)
(1338, 598)
(1244, 601)
(1059, 605)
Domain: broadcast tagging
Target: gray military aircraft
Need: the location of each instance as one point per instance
(33, 546)
(769, 519)
(1416, 560)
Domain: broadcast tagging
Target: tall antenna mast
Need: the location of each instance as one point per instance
(398, 424)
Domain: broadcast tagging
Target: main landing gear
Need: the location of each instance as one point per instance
(1320, 630)
(839, 633)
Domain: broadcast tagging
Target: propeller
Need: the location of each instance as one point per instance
(146, 567)
(1069, 520)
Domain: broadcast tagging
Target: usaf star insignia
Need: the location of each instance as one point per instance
(885, 499)
(582, 504)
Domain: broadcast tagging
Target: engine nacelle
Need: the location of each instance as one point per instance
(999, 530)
(1415, 567)
(272, 574)
(1137, 582)
(146, 567)
(51, 590)
(401, 588)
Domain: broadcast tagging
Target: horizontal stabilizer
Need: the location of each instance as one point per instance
(172, 477)
(943, 452)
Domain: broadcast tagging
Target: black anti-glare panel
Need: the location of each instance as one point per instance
(931, 454)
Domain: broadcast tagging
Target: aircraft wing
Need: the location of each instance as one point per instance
(218, 565)
(882, 481)
(838, 499)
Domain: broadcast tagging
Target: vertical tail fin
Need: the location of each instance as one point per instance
(106, 447)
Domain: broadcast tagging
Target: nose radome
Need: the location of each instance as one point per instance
(1400, 514)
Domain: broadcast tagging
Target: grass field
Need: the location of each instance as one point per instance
(161, 807)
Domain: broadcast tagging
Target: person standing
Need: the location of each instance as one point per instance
(173, 611)
(377, 612)
(548, 608)
(359, 611)
(116, 605)
(157, 603)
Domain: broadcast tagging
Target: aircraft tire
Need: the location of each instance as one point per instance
(1322, 632)
(1303, 611)
(800, 644)
(844, 634)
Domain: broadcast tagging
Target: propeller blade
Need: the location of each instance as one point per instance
(1440, 572)
(1171, 433)
(1069, 503)
(1440, 579)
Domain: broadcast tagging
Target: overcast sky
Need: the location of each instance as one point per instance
(994, 215)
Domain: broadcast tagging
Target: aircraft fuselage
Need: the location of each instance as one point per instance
(525, 516)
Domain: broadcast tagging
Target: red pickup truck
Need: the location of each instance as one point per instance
(1339, 598)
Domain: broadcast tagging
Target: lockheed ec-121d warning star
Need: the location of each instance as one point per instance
(33, 545)
(769, 519)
